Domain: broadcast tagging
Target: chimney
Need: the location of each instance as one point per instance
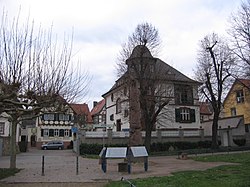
(94, 104)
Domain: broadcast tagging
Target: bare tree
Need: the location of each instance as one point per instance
(145, 34)
(214, 69)
(240, 36)
(35, 72)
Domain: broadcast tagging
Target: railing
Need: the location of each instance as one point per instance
(192, 133)
(95, 134)
(170, 133)
(162, 133)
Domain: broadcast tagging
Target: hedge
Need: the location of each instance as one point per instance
(95, 149)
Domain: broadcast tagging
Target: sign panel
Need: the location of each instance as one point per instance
(139, 151)
(102, 152)
(74, 129)
(116, 152)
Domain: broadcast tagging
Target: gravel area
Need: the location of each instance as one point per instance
(60, 169)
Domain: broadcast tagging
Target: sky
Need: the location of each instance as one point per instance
(100, 28)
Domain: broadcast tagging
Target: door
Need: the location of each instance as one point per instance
(225, 139)
(118, 125)
(33, 140)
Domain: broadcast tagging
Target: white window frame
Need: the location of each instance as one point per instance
(56, 132)
(185, 114)
(2, 128)
(66, 133)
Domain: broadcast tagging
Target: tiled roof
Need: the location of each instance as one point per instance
(206, 108)
(80, 109)
(163, 70)
(245, 82)
(98, 107)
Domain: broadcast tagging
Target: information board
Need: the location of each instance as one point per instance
(139, 151)
(116, 152)
(102, 151)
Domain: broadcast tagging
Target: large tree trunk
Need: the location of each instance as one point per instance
(148, 132)
(13, 144)
(215, 144)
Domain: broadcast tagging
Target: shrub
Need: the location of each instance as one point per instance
(204, 144)
(94, 149)
(240, 142)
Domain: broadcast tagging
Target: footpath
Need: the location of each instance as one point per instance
(60, 169)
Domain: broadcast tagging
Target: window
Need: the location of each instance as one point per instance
(185, 115)
(233, 111)
(51, 132)
(66, 132)
(61, 132)
(56, 132)
(44, 132)
(95, 119)
(112, 97)
(49, 117)
(239, 96)
(118, 106)
(104, 118)
(126, 113)
(2, 127)
(111, 117)
(183, 94)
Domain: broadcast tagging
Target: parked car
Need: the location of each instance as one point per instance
(53, 145)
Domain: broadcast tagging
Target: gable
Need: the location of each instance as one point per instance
(237, 85)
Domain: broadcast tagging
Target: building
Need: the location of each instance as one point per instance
(162, 83)
(206, 111)
(98, 114)
(55, 124)
(237, 101)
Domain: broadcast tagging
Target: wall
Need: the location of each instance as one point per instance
(112, 137)
(241, 108)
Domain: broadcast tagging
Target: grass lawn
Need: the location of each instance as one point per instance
(6, 172)
(223, 176)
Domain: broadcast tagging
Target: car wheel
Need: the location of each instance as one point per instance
(45, 148)
(60, 148)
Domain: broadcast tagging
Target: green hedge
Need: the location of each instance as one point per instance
(165, 146)
(240, 142)
(95, 149)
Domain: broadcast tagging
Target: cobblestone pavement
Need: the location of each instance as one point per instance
(60, 169)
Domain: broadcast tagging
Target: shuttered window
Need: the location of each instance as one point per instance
(185, 115)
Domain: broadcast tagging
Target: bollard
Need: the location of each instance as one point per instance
(77, 165)
(43, 165)
(146, 163)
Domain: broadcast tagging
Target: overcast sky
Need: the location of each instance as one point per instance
(101, 26)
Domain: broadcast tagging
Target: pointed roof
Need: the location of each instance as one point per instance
(206, 108)
(166, 72)
(82, 109)
(98, 108)
(244, 82)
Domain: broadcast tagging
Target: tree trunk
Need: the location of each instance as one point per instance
(147, 141)
(13, 144)
(215, 144)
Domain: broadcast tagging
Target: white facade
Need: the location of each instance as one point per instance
(113, 114)
(5, 126)
(166, 119)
